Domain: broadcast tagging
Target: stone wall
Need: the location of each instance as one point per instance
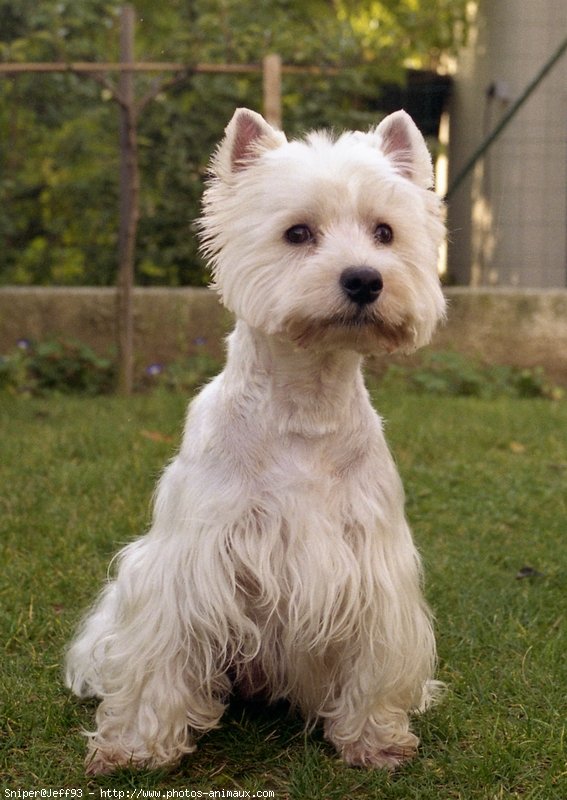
(168, 323)
(525, 328)
(520, 327)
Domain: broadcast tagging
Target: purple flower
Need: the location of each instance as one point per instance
(154, 369)
(200, 340)
(23, 344)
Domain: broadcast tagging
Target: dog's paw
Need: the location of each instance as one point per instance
(377, 748)
(101, 762)
(362, 754)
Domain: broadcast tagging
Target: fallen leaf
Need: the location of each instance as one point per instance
(528, 572)
(517, 447)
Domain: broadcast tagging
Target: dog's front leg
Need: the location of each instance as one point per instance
(146, 723)
(369, 729)
(144, 651)
(368, 720)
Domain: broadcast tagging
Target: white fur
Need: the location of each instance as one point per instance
(279, 560)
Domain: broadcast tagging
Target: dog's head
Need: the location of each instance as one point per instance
(329, 242)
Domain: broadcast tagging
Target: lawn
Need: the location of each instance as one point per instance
(486, 485)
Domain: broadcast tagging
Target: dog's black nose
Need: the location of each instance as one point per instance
(362, 285)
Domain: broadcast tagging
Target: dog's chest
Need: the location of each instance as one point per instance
(301, 552)
(318, 474)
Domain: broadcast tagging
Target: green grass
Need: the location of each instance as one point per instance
(486, 490)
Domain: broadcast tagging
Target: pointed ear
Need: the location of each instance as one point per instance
(246, 136)
(404, 146)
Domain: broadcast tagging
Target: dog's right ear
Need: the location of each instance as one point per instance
(404, 146)
(246, 136)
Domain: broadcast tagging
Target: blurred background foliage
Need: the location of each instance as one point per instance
(59, 132)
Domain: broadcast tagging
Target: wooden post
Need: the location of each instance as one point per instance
(129, 202)
(272, 80)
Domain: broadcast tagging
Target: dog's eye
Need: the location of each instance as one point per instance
(383, 233)
(299, 234)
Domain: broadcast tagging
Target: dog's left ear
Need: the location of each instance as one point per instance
(405, 147)
(247, 135)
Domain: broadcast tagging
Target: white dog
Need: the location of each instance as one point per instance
(279, 561)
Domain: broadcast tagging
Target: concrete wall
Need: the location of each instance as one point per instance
(508, 220)
(168, 323)
(524, 328)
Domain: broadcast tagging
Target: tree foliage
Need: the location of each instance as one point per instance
(59, 132)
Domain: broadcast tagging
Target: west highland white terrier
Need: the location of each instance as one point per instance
(279, 562)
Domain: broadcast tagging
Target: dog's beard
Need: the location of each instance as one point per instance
(363, 330)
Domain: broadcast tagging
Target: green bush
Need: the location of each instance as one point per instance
(61, 366)
(452, 374)
(71, 367)
(184, 376)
